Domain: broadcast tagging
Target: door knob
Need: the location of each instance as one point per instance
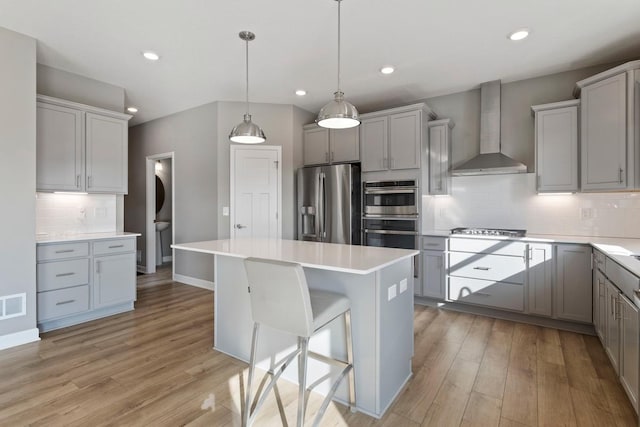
(240, 226)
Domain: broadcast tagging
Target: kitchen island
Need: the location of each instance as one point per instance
(379, 283)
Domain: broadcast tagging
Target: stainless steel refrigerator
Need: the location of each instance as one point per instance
(329, 204)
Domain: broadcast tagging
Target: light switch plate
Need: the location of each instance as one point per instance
(392, 292)
(225, 211)
(403, 285)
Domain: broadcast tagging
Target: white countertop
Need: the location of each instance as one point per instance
(61, 238)
(326, 256)
(618, 248)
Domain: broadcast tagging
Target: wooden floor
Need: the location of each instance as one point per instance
(155, 367)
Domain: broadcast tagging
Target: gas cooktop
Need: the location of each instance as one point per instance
(489, 232)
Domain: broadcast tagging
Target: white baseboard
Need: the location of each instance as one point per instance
(19, 338)
(167, 258)
(194, 281)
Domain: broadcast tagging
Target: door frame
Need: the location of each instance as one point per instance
(150, 229)
(232, 185)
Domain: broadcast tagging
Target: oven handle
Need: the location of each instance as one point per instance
(399, 217)
(401, 232)
(391, 190)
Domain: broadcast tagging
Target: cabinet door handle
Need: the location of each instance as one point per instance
(89, 182)
(65, 274)
(116, 246)
(482, 268)
(326, 156)
(65, 302)
(78, 181)
(391, 162)
(620, 174)
(332, 156)
(65, 251)
(97, 267)
(637, 292)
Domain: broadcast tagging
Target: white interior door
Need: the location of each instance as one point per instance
(255, 191)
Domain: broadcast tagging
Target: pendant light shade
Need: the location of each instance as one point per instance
(339, 113)
(247, 132)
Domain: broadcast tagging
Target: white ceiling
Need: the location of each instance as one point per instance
(437, 47)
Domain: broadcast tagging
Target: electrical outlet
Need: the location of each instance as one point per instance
(403, 285)
(392, 292)
(586, 213)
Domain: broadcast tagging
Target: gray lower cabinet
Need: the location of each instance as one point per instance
(599, 304)
(433, 268)
(612, 335)
(540, 279)
(573, 285)
(80, 281)
(630, 348)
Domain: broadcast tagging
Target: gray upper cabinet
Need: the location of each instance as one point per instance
(374, 139)
(323, 146)
(106, 154)
(60, 148)
(573, 292)
(405, 136)
(439, 156)
(556, 135)
(604, 140)
(393, 139)
(80, 148)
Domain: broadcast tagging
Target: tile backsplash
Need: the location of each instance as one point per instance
(58, 214)
(510, 201)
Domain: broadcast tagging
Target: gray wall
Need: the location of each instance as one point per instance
(200, 138)
(517, 123)
(18, 168)
(191, 135)
(77, 88)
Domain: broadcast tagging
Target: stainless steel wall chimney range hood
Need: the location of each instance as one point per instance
(490, 161)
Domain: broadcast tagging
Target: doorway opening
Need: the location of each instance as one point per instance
(160, 211)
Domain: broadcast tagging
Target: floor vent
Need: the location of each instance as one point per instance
(13, 306)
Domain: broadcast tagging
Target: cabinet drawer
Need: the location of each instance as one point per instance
(433, 243)
(105, 247)
(498, 247)
(63, 302)
(483, 292)
(62, 251)
(497, 268)
(623, 279)
(63, 274)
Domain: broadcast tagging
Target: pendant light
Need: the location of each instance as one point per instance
(338, 114)
(247, 132)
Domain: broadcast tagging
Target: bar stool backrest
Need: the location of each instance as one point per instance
(279, 296)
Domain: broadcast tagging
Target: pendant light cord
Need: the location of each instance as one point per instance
(247, 65)
(339, 1)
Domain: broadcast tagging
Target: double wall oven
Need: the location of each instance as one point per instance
(390, 215)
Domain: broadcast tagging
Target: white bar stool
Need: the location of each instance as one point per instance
(281, 299)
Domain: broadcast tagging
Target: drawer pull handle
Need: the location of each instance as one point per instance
(637, 292)
(65, 251)
(65, 302)
(64, 274)
(432, 244)
(482, 268)
(481, 294)
(116, 246)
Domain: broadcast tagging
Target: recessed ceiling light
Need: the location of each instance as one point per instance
(387, 69)
(151, 56)
(301, 92)
(520, 34)
(132, 109)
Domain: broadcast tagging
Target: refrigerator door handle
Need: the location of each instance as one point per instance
(322, 207)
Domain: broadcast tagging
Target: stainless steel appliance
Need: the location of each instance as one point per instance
(329, 204)
(501, 232)
(391, 215)
(391, 198)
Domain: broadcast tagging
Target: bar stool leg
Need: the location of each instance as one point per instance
(352, 384)
(302, 378)
(246, 415)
